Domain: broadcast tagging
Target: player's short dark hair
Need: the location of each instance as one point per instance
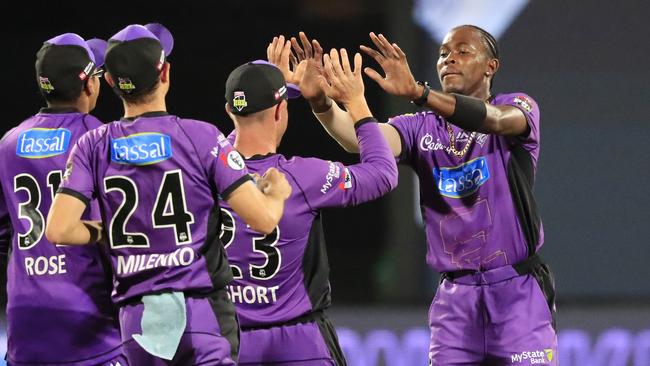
(69, 95)
(140, 97)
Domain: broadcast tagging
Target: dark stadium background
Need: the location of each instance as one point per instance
(586, 63)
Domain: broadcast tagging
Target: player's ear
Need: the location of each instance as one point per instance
(278, 109)
(109, 79)
(492, 66)
(88, 86)
(227, 108)
(164, 73)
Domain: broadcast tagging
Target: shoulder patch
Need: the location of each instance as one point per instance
(523, 102)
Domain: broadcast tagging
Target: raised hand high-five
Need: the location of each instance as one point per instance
(279, 53)
(310, 53)
(345, 85)
(399, 80)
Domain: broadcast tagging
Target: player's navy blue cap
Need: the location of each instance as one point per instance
(257, 85)
(64, 62)
(136, 55)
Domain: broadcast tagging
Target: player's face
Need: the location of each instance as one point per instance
(463, 62)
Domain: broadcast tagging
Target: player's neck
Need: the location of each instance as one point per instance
(255, 141)
(134, 110)
(79, 105)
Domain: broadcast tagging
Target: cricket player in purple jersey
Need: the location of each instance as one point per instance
(281, 288)
(156, 177)
(475, 154)
(59, 310)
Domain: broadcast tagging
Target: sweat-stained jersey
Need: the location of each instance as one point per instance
(59, 309)
(156, 178)
(479, 210)
(284, 275)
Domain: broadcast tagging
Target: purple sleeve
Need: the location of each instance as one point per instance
(232, 136)
(224, 165)
(332, 184)
(78, 177)
(531, 110)
(407, 126)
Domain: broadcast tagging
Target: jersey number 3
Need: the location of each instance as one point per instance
(265, 245)
(30, 210)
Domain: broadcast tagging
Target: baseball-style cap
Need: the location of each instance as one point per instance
(64, 62)
(136, 54)
(256, 86)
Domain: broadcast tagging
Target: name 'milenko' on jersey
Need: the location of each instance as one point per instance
(462, 180)
(141, 148)
(39, 143)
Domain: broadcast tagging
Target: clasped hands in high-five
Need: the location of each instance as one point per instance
(321, 75)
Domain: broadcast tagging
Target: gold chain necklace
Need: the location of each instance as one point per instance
(452, 142)
(452, 139)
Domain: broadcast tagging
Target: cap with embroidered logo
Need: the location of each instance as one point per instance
(256, 86)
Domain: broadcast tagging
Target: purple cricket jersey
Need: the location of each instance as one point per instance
(59, 309)
(156, 178)
(284, 275)
(479, 210)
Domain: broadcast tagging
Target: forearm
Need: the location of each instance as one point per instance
(77, 233)
(474, 114)
(377, 173)
(275, 210)
(340, 125)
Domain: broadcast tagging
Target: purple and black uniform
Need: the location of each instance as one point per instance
(156, 177)
(281, 285)
(59, 310)
(483, 231)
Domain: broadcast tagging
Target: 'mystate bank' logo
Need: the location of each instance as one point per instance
(462, 180)
(141, 148)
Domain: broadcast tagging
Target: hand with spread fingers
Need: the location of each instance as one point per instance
(311, 54)
(399, 80)
(345, 85)
(279, 53)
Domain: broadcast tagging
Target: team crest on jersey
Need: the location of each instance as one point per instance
(239, 100)
(235, 161)
(141, 148)
(462, 180)
(524, 103)
(39, 143)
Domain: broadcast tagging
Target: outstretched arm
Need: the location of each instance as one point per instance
(376, 175)
(336, 121)
(469, 113)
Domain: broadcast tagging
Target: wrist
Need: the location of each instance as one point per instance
(358, 109)
(421, 98)
(417, 91)
(320, 103)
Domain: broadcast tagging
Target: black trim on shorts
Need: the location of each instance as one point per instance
(235, 185)
(75, 194)
(224, 311)
(328, 333)
(544, 277)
